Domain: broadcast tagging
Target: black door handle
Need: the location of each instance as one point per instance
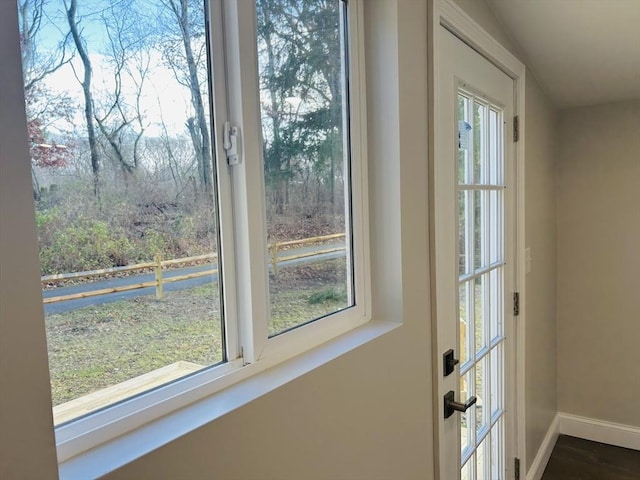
(450, 405)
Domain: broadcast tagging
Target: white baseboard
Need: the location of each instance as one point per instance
(582, 427)
(599, 431)
(544, 452)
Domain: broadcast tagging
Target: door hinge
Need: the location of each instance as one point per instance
(516, 128)
(230, 143)
(516, 303)
(516, 468)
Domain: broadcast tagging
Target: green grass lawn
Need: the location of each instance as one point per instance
(97, 347)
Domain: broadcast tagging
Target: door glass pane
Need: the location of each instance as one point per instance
(496, 303)
(479, 143)
(480, 311)
(466, 433)
(482, 461)
(466, 332)
(482, 227)
(497, 447)
(467, 470)
(304, 105)
(494, 219)
(478, 229)
(496, 374)
(481, 392)
(464, 140)
(118, 113)
(495, 148)
(465, 236)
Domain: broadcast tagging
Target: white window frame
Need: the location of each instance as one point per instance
(242, 227)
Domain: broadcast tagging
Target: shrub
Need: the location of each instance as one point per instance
(87, 244)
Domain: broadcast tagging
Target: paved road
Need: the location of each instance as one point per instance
(70, 305)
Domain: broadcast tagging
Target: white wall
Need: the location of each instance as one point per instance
(599, 261)
(541, 395)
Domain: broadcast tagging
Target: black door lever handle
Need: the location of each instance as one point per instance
(450, 405)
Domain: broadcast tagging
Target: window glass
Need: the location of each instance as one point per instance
(303, 99)
(117, 101)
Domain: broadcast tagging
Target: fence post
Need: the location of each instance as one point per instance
(158, 269)
(274, 258)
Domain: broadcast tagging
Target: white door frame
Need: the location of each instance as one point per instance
(448, 14)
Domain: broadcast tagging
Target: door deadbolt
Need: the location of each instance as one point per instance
(449, 362)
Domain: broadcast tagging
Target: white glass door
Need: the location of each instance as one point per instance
(474, 246)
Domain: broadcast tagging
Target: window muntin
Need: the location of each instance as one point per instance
(241, 201)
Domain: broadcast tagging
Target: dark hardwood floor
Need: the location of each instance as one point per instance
(577, 459)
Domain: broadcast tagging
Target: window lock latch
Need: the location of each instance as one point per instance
(230, 143)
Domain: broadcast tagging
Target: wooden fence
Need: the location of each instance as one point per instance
(159, 264)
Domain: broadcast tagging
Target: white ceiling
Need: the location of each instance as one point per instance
(583, 52)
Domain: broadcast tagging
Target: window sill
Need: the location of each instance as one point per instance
(111, 455)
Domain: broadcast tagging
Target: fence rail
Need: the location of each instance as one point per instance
(127, 268)
(159, 264)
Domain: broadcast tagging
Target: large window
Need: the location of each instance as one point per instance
(198, 189)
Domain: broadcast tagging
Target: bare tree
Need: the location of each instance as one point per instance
(299, 59)
(36, 66)
(184, 27)
(76, 34)
(122, 121)
(43, 107)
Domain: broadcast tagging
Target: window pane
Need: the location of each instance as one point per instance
(303, 101)
(496, 379)
(482, 463)
(497, 449)
(125, 197)
(464, 140)
(480, 313)
(465, 232)
(466, 427)
(466, 317)
(496, 304)
(481, 227)
(495, 228)
(482, 393)
(479, 144)
(467, 471)
(495, 148)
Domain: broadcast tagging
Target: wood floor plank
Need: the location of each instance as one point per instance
(578, 459)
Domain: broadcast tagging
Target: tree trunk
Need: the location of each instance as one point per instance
(203, 146)
(88, 99)
(279, 184)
